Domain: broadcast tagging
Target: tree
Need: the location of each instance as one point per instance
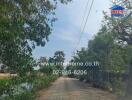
(51, 60)
(48, 65)
(59, 58)
(24, 24)
(113, 57)
(124, 33)
(112, 47)
(122, 30)
(42, 60)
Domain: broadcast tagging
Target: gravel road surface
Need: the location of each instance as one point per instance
(72, 89)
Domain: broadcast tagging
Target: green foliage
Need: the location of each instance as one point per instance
(112, 53)
(38, 82)
(59, 56)
(44, 82)
(56, 62)
(5, 84)
(46, 70)
(24, 25)
(27, 95)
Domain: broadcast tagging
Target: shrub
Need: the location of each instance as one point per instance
(37, 82)
(5, 84)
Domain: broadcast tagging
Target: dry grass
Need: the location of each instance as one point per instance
(6, 75)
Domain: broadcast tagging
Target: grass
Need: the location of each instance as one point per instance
(38, 82)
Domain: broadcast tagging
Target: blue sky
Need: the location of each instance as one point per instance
(66, 30)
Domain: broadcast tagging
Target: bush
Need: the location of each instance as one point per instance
(5, 84)
(117, 86)
(44, 82)
(37, 82)
(27, 95)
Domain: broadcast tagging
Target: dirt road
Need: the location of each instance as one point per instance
(73, 89)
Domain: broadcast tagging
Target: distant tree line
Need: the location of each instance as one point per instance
(44, 63)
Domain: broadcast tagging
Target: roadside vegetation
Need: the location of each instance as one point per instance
(112, 48)
(24, 88)
(27, 85)
(25, 24)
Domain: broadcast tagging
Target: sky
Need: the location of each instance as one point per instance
(66, 30)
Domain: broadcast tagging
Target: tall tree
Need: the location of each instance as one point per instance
(121, 28)
(24, 24)
(124, 35)
(59, 58)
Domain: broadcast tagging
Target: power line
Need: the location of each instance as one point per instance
(82, 32)
(83, 19)
(86, 7)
